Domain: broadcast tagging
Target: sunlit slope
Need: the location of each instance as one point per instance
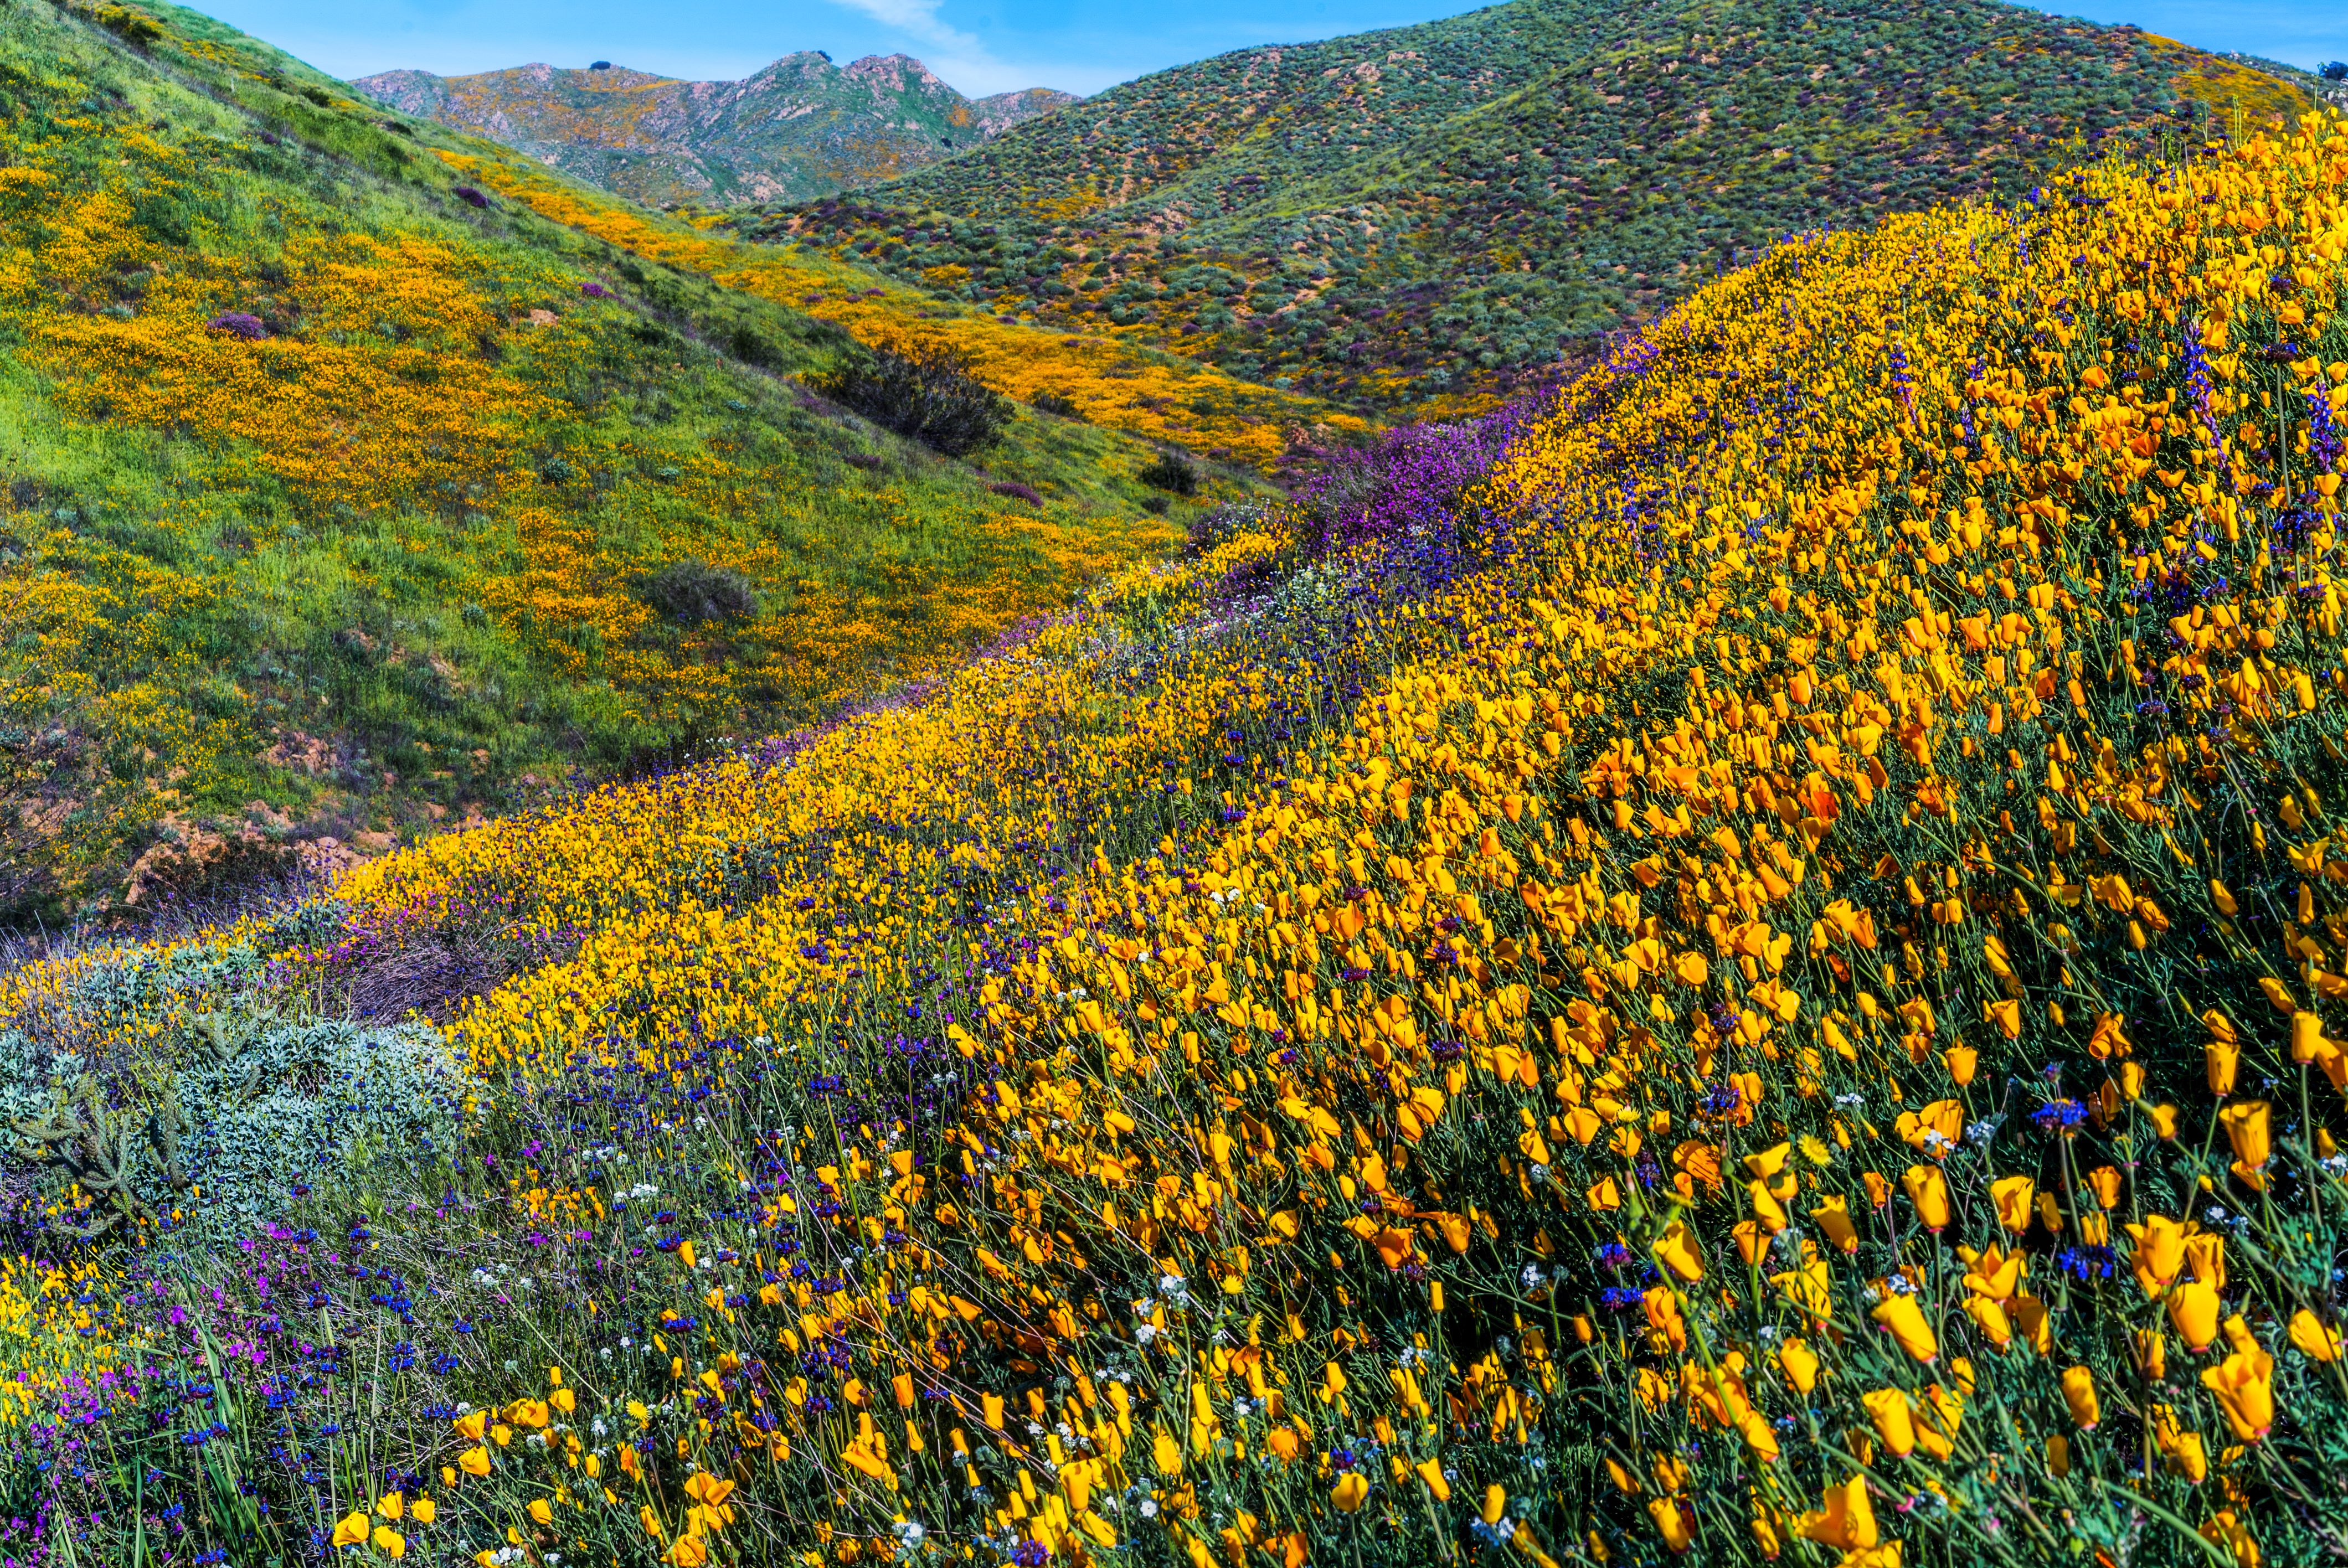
(1769, 987)
(333, 499)
(1440, 211)
(1873, 797)
(799, 127)
(1157, 397)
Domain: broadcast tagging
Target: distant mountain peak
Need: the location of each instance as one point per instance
(801, 127)
(895, 69)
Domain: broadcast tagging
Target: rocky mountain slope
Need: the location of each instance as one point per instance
(802, 127)
(1399, 216)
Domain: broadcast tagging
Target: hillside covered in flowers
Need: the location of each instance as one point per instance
(1737, 964)
(340, 494)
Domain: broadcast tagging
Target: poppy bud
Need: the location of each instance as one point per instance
(2247, 1130)
(2223, 1058)
(1676, 1250)
(1900, 1314)
(1928, 1189)
(1801, 1364)
(2308, 1332)
(2079, 1393)
(2049, 1214)
(2307, 1041)
(1676, 1522)
(1833, 1217)
(2244, 1386)
(1894, 1424)
(2193, 1308)
(1989, 1318)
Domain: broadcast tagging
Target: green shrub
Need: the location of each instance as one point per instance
(694, 593)
(923, 392)
(1171, 472)
(238, 1105)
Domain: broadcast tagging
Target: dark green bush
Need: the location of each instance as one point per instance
(925, 392)
(693, 593)
(1172, 472)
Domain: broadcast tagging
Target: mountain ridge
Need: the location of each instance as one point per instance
(1429, 215)
(801, 125)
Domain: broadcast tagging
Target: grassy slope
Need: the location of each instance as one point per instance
(378, 567)
(1687, 1012)
(1162, 397)
(1438, 210)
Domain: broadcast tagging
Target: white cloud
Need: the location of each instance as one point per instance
(919, 19)
(963, 60)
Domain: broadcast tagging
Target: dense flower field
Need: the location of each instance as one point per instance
(1755, 983)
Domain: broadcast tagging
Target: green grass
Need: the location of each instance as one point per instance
(393, 578)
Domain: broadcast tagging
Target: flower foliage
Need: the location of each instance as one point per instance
(1763, 988)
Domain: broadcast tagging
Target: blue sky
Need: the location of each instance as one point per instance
(991, 45)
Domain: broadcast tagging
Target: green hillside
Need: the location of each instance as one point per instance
(338, 497)
(1441, 210)
(801, 127)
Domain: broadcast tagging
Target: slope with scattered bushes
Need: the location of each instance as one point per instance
(1092, 376)
(801, 127)
(1443, 210)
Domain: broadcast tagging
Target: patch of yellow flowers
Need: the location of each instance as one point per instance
(1792, 1016)
(1760, 992)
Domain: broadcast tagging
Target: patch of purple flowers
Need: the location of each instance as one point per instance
(1017, 491)
(2059, 1116)
(1412, 479)
(248, 327)
(465, 193)
(597, 291)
